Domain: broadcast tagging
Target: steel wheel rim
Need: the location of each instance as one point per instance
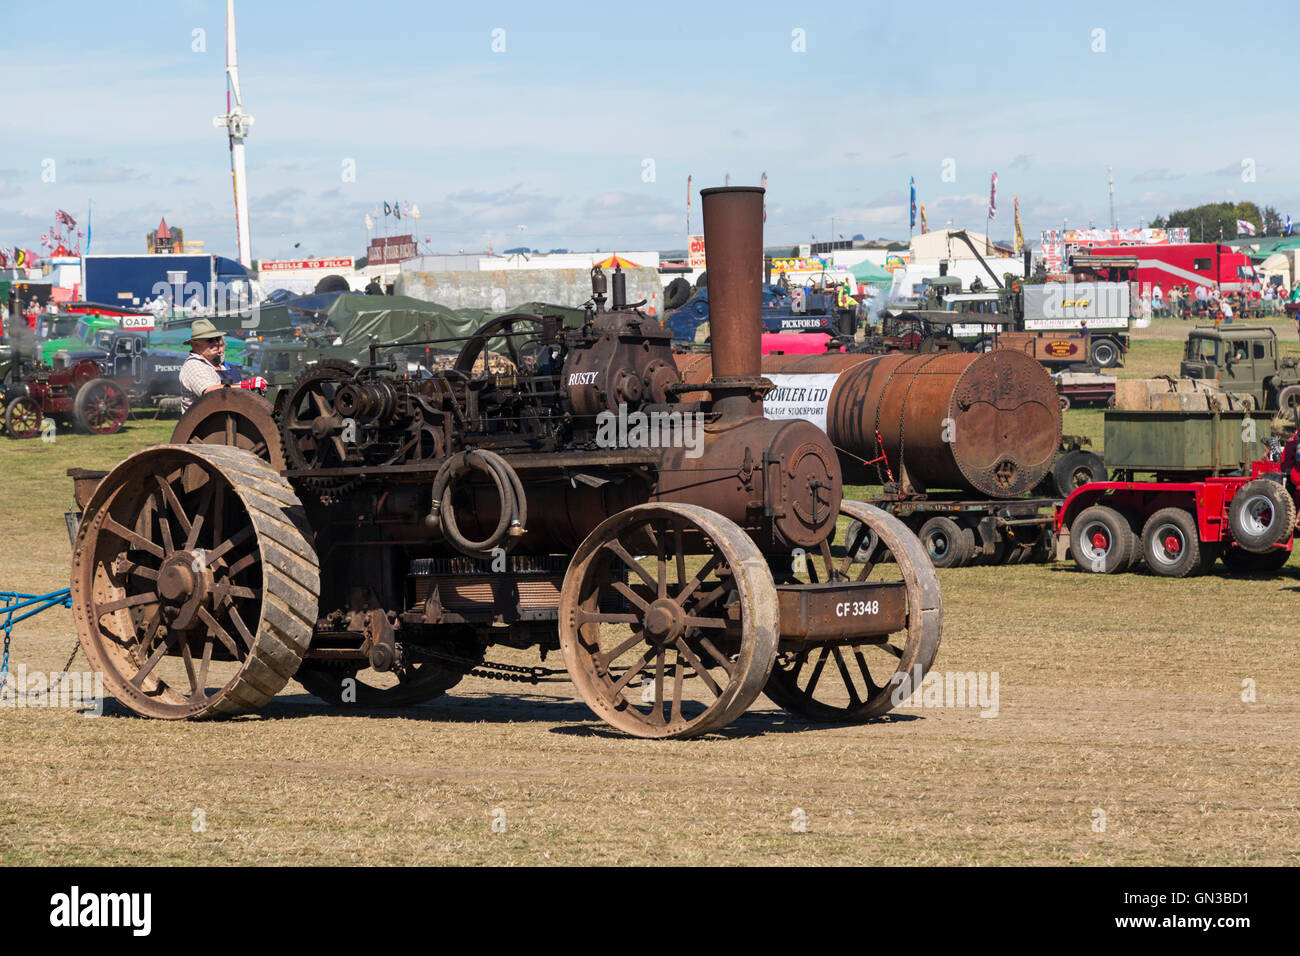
(1257, 515)
(937, 544)
(1169, 544)
(1090, 551)
(612, 667)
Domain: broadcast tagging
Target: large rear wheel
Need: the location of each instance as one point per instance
(193, 585)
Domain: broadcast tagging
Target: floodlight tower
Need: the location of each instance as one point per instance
(236, 122)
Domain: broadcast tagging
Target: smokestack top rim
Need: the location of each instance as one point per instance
(713, 190)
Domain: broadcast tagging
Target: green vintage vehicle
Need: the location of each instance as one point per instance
(1245, 360)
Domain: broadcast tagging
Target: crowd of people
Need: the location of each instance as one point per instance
(1188, 302)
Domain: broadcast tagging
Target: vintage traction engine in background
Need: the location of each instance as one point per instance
(373, 541)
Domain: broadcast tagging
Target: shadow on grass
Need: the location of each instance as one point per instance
(574, 718)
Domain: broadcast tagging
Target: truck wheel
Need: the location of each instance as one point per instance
(1103, 353)
(1075, 469)
(1288, 403)
(1064, 400)
(1171, 544)
(948, 544)
(1102, 541)
(1246, 562)
(1261, 515)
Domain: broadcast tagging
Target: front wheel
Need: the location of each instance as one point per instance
(669, 621)
(1104, 353)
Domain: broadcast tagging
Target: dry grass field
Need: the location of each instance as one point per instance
(1121, 694)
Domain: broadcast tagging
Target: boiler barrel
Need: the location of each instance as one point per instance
(986, 423)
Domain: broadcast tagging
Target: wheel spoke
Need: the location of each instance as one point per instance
(872, 687)
(234, 541)
(597, 617)
(632, 671)
(693, 585)
(203, 664)
(679, 542)
(679, 677)
(700, 669)
(154, 658)
(661, 562)
(713, 623)
(174, 504)
(192, 537)
(616, 653)
(658, 712)
(720, 657)
(848, 681)
(241, 627)
(131, 538)
(148, 597)
(215, 628)
(828, 559)
(616, 547)
(188, 658)
(817, 672)
(636, 599)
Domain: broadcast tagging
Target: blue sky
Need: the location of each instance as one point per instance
(553, 134)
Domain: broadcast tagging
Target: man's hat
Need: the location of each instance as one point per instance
(203, 329)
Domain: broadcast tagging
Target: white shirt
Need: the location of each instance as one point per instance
(197, 376)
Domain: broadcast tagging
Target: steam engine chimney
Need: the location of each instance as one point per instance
(733, 242)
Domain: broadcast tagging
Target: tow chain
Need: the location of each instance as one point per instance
(492, 671)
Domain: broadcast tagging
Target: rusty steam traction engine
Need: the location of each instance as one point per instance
(387, 529)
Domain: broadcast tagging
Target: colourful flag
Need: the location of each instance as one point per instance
(911, 223)
(397, 210)
(1020, 232)
(993, 198)
(923, 227)
(370, 223)
(65, 219)
(415, 211)
(1245, 227)
(388, 210)
(1286, 230)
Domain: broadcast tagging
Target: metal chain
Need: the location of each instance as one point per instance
(493, 671)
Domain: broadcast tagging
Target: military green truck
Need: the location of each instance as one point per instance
(1245, 361)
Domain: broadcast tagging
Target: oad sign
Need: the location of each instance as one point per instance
(695, 246)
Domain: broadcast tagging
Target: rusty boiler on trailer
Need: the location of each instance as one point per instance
(987, 423)
(379, 536)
